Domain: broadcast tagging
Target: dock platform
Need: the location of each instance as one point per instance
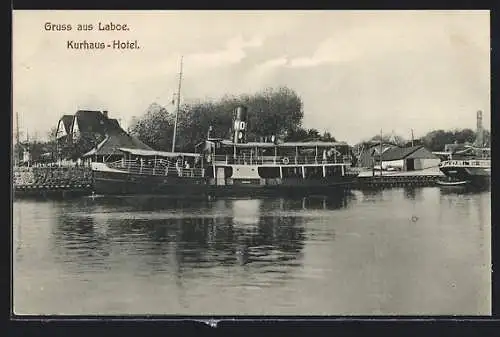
(397, 181)
(420, 178)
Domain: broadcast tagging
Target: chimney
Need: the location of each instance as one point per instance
(105, 113)
(239, 124)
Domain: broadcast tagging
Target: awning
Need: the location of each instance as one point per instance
(152, 153)
(284, 145)
(248, 145)
(312, 144)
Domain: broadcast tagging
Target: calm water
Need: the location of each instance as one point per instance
(399, 251)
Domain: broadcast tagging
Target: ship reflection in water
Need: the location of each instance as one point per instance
(401, 251)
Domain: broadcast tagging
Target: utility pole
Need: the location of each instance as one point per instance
(27, 146)
(380, 152)
(411, 137)
(178, 107)
(16, 152)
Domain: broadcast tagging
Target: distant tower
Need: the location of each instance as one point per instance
(479, 129)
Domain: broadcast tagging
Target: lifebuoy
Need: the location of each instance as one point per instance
(285, 161)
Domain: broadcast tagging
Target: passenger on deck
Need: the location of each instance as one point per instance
(188, 168)
(178, 167)
(167, 166)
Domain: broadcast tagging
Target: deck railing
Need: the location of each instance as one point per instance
(158, 167)
(280, 160)
(466, 163)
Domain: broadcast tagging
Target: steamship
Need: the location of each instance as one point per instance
(471, 165)
(231, 167)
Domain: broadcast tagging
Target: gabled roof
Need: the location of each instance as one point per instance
(396, 153)
(114, 142)
(94, 121)
(67, 120)
(64, 126)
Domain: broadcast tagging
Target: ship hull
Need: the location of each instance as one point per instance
(125, 183)
(115, 182)
(287, 188)
(477, 176)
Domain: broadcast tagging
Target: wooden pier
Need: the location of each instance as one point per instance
(397, 181)
(420, 178)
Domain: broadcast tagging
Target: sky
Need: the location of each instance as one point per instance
(357, 72)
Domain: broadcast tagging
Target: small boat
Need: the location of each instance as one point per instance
(453, 183)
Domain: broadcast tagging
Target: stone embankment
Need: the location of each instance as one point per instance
(43, 180)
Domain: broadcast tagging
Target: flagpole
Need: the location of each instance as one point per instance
(178, 107)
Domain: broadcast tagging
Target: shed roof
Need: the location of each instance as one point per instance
(397, 153)
(114, 142)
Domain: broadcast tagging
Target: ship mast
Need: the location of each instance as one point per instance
(178, 107)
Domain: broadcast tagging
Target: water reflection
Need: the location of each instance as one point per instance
(371, 195)
(165, 234)
(470, 201)
(461, 190)
(413, 193)
(356, 253)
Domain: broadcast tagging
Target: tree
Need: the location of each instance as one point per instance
(275, 112)
(85, 142)
(464, 136)
(51, 144)
(297, 134)
(487, 138)
(327, 137)
(36, 149)
(437, 139)
(155, 128)
(389, 138)
(415, 142)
